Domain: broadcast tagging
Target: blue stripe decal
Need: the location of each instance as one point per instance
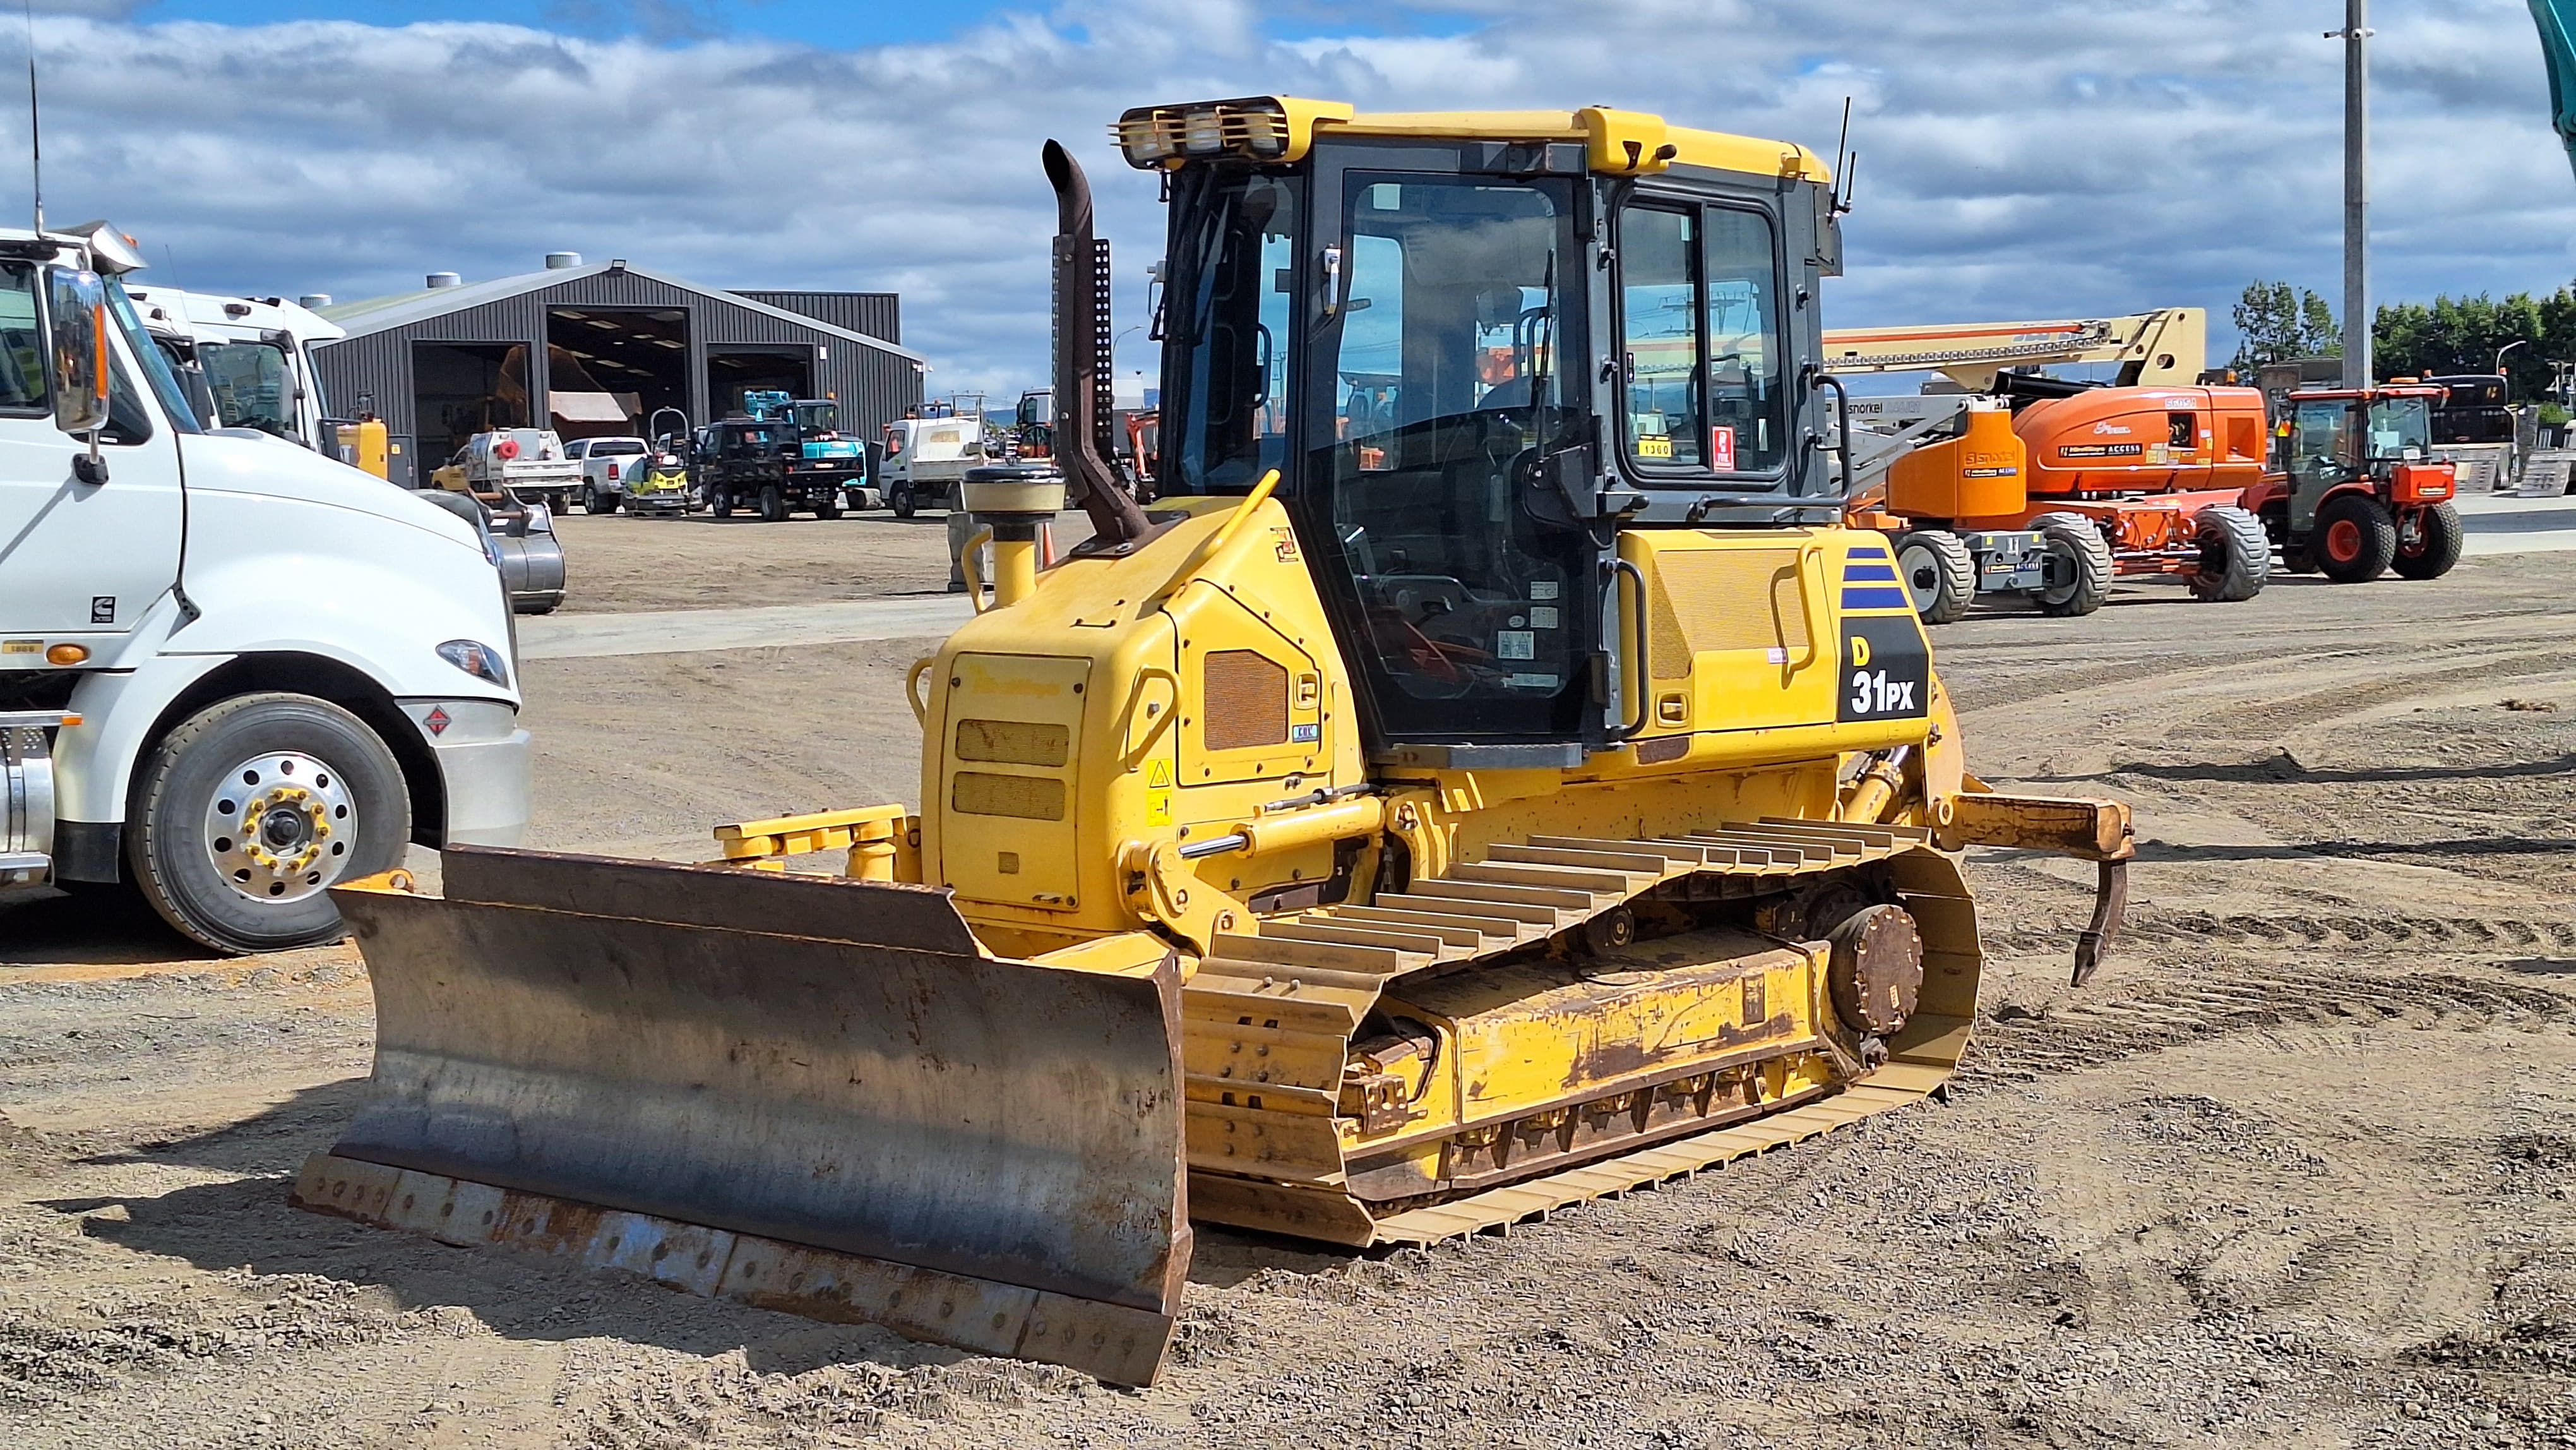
(1876, 599)
(1869, 573)
(1868, 551)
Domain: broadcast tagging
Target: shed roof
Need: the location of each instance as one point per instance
(377, 314)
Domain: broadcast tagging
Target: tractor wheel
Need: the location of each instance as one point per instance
(2085, 556)
(2295, 559)
(773, 504)
(2435, 547)
(2355, 538)
(1939, 574)
(2235, 555)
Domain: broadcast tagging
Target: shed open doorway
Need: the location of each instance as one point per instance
(460, 389)
(609, 368)
(733, 371)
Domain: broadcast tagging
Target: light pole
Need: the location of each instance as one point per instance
(2508, 347)
(2355, 36)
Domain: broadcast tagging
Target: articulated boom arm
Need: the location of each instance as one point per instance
(2168, 345)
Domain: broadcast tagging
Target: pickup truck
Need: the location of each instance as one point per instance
(233, 672)
(605, 463)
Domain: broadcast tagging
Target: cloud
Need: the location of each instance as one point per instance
(2046, 158)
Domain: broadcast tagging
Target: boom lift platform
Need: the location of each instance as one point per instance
(1478, 785)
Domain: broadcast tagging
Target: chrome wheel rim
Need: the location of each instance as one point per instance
(280, 826)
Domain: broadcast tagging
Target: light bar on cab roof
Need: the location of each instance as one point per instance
(1252, 128)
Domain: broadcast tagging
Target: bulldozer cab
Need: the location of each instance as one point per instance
(1470, 362)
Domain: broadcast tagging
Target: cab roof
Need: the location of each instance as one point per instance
(1284, 128)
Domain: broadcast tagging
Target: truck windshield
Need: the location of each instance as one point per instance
(156, 368)
(252, 386)
(2400, 427)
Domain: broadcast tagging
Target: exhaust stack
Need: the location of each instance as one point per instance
(1081, 363)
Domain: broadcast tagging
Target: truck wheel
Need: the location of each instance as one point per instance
(2435, 547)
(592, 503)
(720, 503)
(243, 815)
(901, 501)
(2355, 538)
(773, 504)
(2235, 555)
(2083, 555)
(1939, 574)
(828, 507)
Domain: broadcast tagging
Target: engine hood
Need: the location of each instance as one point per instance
(275, 468)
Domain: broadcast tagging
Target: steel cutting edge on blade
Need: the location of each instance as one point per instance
(813, 1061)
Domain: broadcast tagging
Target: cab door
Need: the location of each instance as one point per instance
(1443, 362)
(80, 562)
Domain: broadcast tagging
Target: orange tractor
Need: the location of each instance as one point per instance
(2053, 490)
(2353, 494)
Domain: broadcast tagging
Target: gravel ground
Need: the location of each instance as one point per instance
(615, 563)
(2295, 1170)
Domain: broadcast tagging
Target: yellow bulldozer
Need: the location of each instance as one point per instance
(1486, 777)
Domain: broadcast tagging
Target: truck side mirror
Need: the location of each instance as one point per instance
(77, 315)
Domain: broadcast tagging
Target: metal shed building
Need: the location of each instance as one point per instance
(598, 349)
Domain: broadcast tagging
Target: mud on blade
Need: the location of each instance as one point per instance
(805, 1063)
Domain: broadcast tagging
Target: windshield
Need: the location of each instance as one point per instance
(2400, 427)
(251, 384)
(156, 368)
(1227, 321)
(818, 417)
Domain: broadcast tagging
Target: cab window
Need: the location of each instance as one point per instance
(1701, 342)
(22, 342)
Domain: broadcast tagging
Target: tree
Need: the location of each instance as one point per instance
(2277, 324)
(2463, 335)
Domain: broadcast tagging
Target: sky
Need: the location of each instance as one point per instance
(2035, 158)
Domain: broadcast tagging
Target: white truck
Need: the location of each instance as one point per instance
(926, 458)
(232, 672)
(251, 357)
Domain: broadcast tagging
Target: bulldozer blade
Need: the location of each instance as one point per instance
(823, 1090)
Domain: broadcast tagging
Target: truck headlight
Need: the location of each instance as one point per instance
(477, 659)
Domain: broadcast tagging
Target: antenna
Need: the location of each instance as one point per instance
(35, 118)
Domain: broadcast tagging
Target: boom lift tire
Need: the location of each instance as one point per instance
(2436, 546)
(2355, 540)
(332, 788)
(1939, 574)
(2073, 537)
(2235, 555)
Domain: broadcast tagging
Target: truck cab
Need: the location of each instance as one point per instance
(251, 360)
(232, 672)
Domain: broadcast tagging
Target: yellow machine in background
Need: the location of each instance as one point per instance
(1487, 778)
